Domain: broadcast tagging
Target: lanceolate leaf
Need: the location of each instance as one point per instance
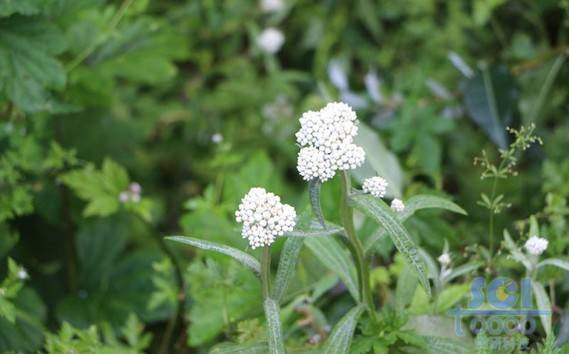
(236, 254)
(316, 230)
(543, 305)
(380, 212)
(515, 251)
(556, 262)
(414, 204)
(287, 266)
(275, 339)
(442, 345)
(463, 269)
(248, 348)
(334, 257)
(343, 332)
(314, 190)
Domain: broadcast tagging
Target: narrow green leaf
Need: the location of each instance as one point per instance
(556, 262)
(287, 266)
(432, 267)
(334, 257)
(314, 187)
(515, 251)
(275, 339)
(239, 256)
(463, 269)
(232, 348)
(543, 304)
(406, 285)
(442, 345)
(315, 229)
(380, 212)
(343, 332)
(412, 205)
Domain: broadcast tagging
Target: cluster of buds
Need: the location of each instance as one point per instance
(377, 186)
(132, 194)
(264, 217)
(326, 140)
(536, 245)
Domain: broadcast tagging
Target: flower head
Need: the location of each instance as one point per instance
(312, 163)
(444, 259)
(397, 205)
(22, 274)
(270, 40)
(264, 217)
(376, 186)
(331, 132)
(536, 245)
(217, 138)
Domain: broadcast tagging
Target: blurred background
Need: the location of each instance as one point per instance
(126, 121)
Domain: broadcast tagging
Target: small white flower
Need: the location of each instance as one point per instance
(312, 163)
(22, 274)
(376, 186)
(397, 205)
(264, 217)
(444, 259)
(124, 197)
(270, 6)
(270, 40)
(135, 188)
(536, 245)
(217, 138)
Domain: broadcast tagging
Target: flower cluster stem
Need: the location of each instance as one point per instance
(266, 272)
(356, 246)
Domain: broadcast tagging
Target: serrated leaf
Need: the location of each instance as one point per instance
(381, 213)
(247, 348)
(414, 204)
(239, 256)
(314, 187)
(343, 332)
(287, 266)
(274, 334)
(556, 262)
(338, 260)
(28, 68)
(543, 304)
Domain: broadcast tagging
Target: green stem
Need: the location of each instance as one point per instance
(491, 218)
(266, 272)
(356, 246)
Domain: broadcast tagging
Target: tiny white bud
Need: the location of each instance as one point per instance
(397, 205)
(536, 245)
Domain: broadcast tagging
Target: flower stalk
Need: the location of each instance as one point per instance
(266, 272)
(356, 246)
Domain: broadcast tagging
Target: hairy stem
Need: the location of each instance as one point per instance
(266, 272)
(356, 246)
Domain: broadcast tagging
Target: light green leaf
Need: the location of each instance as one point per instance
(543, 304)
(515, 251)
(556, 262)
(276, 344)
(442, 345)
(406, 285)
(315, 230)
(248, 348)
(461, 270)
(343, 332)
(380, 212)
(236, 254)
(451, 295)
(314, 187)
(334, 257)
(287, 266)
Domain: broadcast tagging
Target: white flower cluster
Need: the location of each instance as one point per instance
(536, 245)
(444, 259)
(376, 186)
(132, 194)
(397, 205)
(326, 140)
(264, 217)
(270, 40)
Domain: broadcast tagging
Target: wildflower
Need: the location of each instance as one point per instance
(217, 138)
(397, 205)
(271, 40)
(22, 274)
(326, 140)
(124, 197)
(536, 245)
(135, 188)
(264, 217)
(376, 186)
(444, 259)
(271, 6)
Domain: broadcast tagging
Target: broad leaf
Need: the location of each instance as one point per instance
(543, 306)
(274, 334)
(377, 209)
(287, 267)
(338, 260)
(343, 332)
(556, 262)
(239, 256)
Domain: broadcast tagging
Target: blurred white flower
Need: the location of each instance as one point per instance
(397, 205)
(326, 140)
(270, 6)
(264, 217)
(444, 259)
(135, 188)
(217, 138)
(124, 197)
(22, 274)
(376, 186)
(270, 40)
(536, 245)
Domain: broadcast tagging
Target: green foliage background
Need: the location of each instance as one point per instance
(98, 94)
